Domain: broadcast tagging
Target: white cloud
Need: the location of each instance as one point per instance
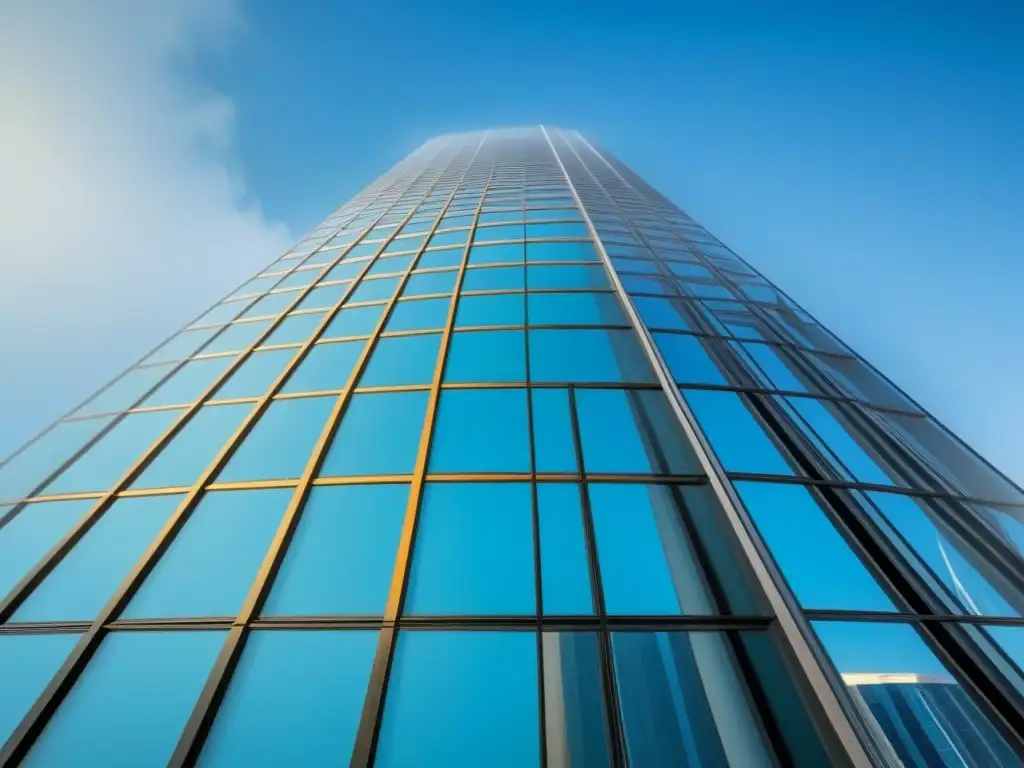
(121, 214)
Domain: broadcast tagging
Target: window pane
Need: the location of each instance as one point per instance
(574, 713)
(688, 359)
(391, 265)
(479, 356)
(374, 290)
(481, 430)
(430, 282)
(455, 237)
(341, 559)
(191, 380)
(567, 276)
(739, 441)
(502, 309)
(588, 356)
(22, 473)
(564, 229)
(272, 304)
(661, 313)
(254, 377)
(632, 431)
(87, 577)
(402, 360)
(683, 701)
(211, 564)
(280, 444)
(500, 232)
(493, 279)
(575, 309)
(473, 551)
(32, 533)
(460, 699)
(357, 321)
(137, 693)
(421, 314)
(27, 663)
(554, 450)
(183, 345)
(449, 257)
(294, 329)
(295, 699)
(327, 366)
(122, 394)
(561, 252)
(105, 462)
(496, 254)
(236, 337)
(184, 458)
(379, 435)
(347, 270)
(223, 313)
(565, 575)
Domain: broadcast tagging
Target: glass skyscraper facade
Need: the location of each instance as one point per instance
(509, 462)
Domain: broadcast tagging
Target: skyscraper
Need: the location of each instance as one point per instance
(508, 462)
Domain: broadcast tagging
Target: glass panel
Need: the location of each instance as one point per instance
(632, 431)
(210, 566)
(481, 430)
(105, 462)
(455, 237)
(565, 574)
(254, 377)
(503, 309)
(460, 699)
(137, 693)
(566, 276)
(379, 435)
(295, 699)
(688, 359)
(473, 551)
(374, 290)
(575, 309)
(479, 356)
(190, 381)
(402, 360)
(391, 264)
(27, 663)
(327, 366)
(918, 714)
(819, 565)
(493, 279)
(561, 252)
(588, 356)
(301, 278)
(220, 314)
(421, 314)
(739, 441)
(32, 533)
(500, 232)
(183, 345)
(574, 713)
(87, 577)
(450, 257)
(122, 394)
(777, 367)
(236, 337)
(357, 321)
(566, 229)
(684, 702)
(280, 444)
(294, 329)
(341, 559)
(347, 270)
(272, 304)
(554, 450)
(496, 254)
(430, 282)
(661, 313)
(23, 472)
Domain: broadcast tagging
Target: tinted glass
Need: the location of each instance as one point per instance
(565, 575)
(482, 430)
(326, 366)
(379, 435)
(27, 662)
(402, 360)
(32, 533)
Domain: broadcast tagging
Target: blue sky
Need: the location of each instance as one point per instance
(868, 157)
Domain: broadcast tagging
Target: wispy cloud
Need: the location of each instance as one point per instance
(122, 212)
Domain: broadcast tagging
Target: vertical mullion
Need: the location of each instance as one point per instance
(33, 722)
(373, 707)
(783, 603)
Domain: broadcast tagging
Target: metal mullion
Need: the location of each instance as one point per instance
(35, 720)
(793, 627)
(196, 729)
(373, 707)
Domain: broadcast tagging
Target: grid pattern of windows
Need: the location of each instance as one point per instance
(508, 461)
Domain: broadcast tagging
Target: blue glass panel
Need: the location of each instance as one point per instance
(473, 551)
(324, 297)
(561, 252)
(775, 367)
(346, 270)
(27, 663)
(648, 285)
(302, 277)
(493, 279)
(686, 269)
(501, 309)
(363, 249)
(455, 221)
(479, 356)
(223, 313)
(210, 566)
(190, 451)
(191, 381)
(557, 276)
(23, 472)
(254, 376)
(295, 699)
(565, 575)
(272, 304)
(574, 717)
(137, 693)
(237, 336)
(554, 450)
(402, 360)
(256, 286)
(404, 244)
(105, 462)
(87, 577)
(563, 229)
(498, 217)
(818, 564)
(661, 313)
(575, 309)
(430, 282)
(557, 213)
(499, 232)
(32, 533)
(741, 444)
(455, 237)
(448, 257)
(379, 435)
(481, 430)
(327, 366)
(357, 321)
(461, 699)
(374, 290)
(632, 431)
(506, 253)
(342, 556)
(391, 265)
(688, 359)
(123, 393)
(280, 444)
(421, 314)
(587, 356)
